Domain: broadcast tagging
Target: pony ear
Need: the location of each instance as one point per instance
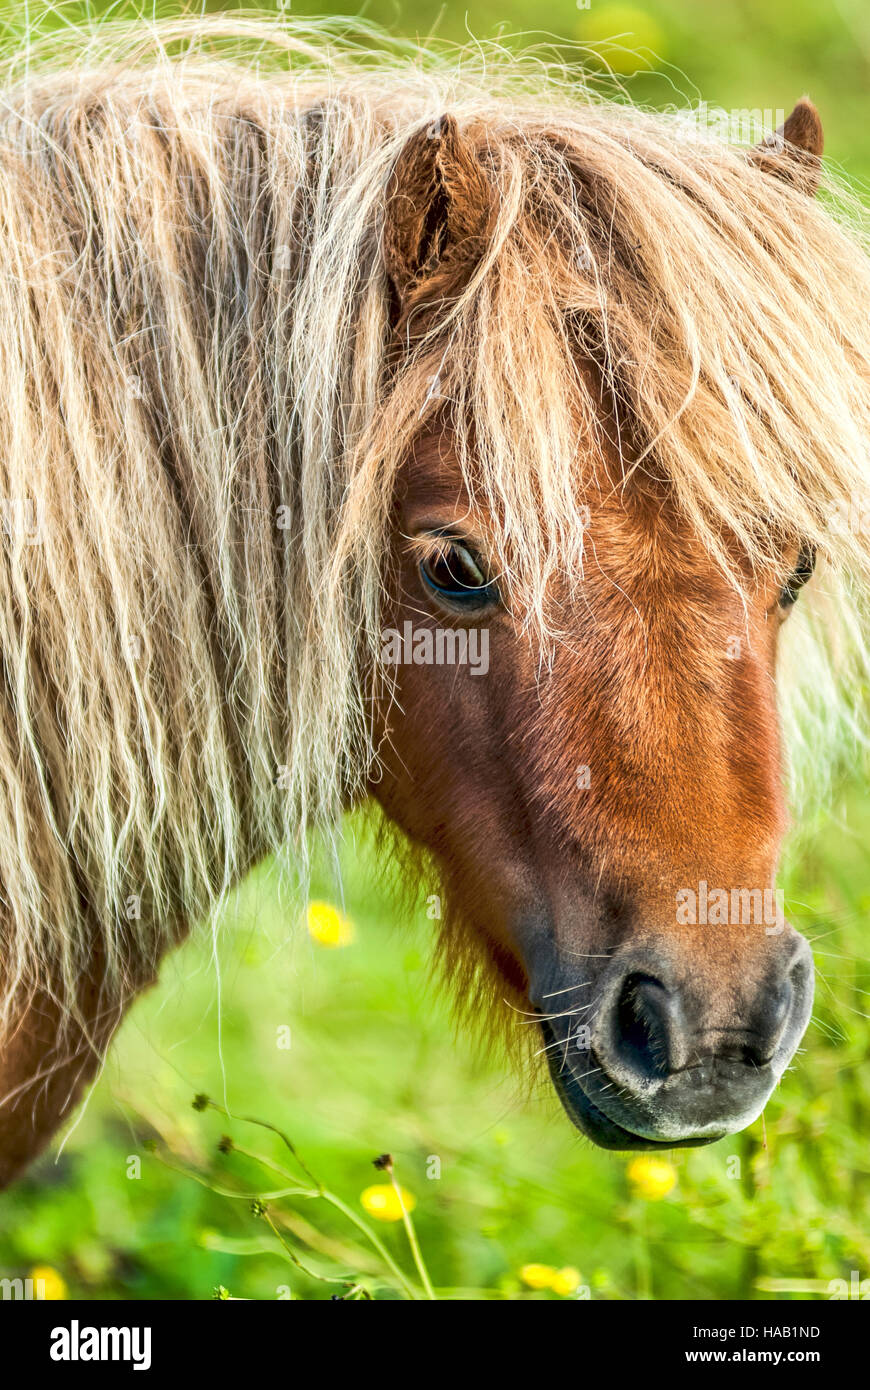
(438, 207)
(793, 152)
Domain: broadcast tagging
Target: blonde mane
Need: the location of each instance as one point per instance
(204, 418)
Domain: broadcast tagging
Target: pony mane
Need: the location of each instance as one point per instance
(205, 417)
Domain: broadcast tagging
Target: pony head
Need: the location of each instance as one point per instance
(598, 536)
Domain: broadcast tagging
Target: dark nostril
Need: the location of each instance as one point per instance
(770, 1025)
(801, 974)
(781, 1010)
(646, 1022)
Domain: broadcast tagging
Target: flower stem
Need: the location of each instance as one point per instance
(412, 1239)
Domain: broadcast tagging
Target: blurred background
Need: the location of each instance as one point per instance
(329, 1023)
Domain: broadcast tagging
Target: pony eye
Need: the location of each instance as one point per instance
(456, 574)
(803, 571)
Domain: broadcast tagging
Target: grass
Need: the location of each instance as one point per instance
(350, 1052)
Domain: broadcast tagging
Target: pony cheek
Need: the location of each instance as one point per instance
(425, 780)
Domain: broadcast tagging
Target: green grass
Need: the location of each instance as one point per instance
(374, 1066)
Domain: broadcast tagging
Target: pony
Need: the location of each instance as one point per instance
(307, 344)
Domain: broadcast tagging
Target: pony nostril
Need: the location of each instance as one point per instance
(780, 1010)
(776, 1016)
(801, 974)
(645, 1018)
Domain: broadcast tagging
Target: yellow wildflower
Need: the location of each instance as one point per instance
(382, 1201)
(47, 1283)
(652, 1178)
(566, 1281)
(538, 1276)
(328, 926)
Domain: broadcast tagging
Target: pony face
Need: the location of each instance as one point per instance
(593, 756)
(607, 819)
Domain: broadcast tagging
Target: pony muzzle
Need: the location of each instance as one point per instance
(653, 1060)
